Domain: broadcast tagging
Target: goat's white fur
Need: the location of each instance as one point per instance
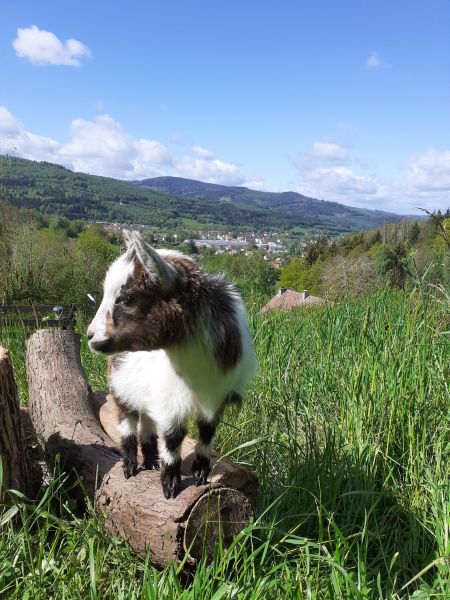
(118, 273)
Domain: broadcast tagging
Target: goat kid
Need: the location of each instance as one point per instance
(179, 345)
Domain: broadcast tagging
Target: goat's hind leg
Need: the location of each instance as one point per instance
(200, 466)
(127, 429)
(149, 442)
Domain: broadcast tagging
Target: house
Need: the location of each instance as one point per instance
(289, 299)
(276, 264)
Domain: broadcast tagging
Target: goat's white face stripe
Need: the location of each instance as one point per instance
(118, 274)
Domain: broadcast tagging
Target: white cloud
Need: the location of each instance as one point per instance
(327, 152)
(257, 183)
(375, 62)
(429, 172)
(203, 165)
(340, 182)
(15, 139)
(322, 168)
(102, 147)
(9, 125)
(202, 152)
(211, 170)
(152, 158)
(423, 181)
(42, 47)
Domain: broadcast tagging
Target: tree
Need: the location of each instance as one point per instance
(316, 250)
(93, 253)
(392, 260)
(253, 276)
(349, 276)
(189, 247)
(376, 238)
(298, 276)
(413, 233)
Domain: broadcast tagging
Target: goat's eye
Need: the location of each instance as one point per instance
(125, 300)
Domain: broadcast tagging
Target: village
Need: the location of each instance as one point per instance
(275, 245)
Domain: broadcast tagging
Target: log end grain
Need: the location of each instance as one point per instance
(216, 518)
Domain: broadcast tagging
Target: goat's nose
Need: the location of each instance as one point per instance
(90, 334)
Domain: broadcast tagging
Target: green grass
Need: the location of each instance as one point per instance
(349, 419)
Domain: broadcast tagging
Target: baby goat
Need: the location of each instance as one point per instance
(179, 345)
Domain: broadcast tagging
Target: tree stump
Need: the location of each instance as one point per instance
(18, 471)
(63, 411)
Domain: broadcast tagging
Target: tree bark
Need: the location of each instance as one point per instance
(63, 410)
(18, 470)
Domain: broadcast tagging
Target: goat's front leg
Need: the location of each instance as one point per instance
(171, 460)
(127, 429)
(149, 442)
(200, 466)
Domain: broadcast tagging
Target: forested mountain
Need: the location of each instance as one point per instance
(167, 202)
(301, 209)
(52, 188)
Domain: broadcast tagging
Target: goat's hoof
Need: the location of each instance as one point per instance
(171, 480)
(130, 469)
(151, 464)
(200, 470)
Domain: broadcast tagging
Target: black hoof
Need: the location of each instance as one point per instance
(200, 470)
(151, 464)
(130, 469)
(171, 480)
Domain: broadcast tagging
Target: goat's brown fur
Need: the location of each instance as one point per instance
(157, 318)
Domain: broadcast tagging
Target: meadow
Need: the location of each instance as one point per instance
(347, 425)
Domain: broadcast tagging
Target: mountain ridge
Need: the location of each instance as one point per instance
(289, 203)
(52, 188)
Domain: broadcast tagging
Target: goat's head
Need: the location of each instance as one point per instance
(139, 309)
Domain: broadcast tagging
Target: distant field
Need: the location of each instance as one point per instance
(347, 425)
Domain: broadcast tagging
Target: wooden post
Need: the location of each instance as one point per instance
(63, 411)
(18, 471)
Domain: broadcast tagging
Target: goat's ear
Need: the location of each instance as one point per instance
(156, 267)
(127, 238)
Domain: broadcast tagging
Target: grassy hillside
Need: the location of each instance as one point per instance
(52, 188)
(347, 426)
(336, 218)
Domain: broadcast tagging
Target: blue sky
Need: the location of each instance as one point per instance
(345, 101)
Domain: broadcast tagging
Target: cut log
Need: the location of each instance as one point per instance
(18, 470)
(223, 472)
(63, 411)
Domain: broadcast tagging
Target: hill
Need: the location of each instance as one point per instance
(397, 255)
(302, 210)
(168, 202)
(51, 188)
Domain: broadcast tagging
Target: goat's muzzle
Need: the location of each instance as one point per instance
(105, 346)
